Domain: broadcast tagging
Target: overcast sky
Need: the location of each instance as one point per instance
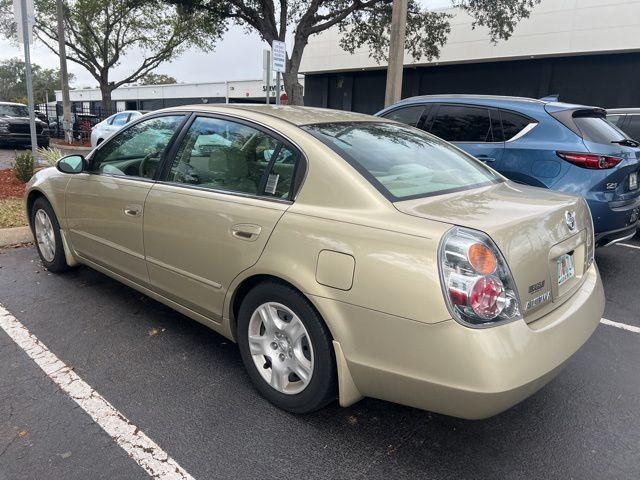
(237, 56)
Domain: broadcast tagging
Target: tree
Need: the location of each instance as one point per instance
(361, 22)
(99, 33)
(12, 81)
(157, 79)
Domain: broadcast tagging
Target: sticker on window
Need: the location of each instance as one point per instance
(272, 183)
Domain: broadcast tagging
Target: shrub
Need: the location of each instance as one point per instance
(23, 166)
(50, 155)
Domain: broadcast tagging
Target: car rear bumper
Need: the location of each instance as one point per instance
(459, 371)
(614, 221)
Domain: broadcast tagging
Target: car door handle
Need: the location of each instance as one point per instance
(132, 210)
(485, 159)
(246, 231)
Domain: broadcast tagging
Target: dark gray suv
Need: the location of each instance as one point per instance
(14, 126)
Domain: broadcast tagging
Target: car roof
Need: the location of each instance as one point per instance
(13, 103)
(498, 101)
(623, 110)
(294, 114)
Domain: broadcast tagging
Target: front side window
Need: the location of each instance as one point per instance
(402, 162)
(224, 155)
(408, 115)
(455, 123)
(138, 150)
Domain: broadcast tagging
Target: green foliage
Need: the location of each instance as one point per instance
(360, 22)
(12, 81)
(23, 166)
(157, 79)
(100, 33)
(49, 155)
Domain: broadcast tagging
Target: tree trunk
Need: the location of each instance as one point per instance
(106, 104)
(293, 88)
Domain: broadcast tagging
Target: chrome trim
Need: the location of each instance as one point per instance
(617, 240)
(184, 273)
(523, 132)
(108, 243)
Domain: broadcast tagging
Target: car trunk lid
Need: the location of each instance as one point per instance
(530, 227)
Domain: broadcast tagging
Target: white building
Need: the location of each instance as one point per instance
(586, 51)
(153, 97)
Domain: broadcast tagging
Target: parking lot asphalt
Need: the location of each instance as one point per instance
(185, 387)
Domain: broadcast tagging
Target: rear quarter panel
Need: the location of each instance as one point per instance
(394, 273)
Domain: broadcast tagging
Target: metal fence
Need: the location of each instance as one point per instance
(82, 120)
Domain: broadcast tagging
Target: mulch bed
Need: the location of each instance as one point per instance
(10, 187)
(61, 143)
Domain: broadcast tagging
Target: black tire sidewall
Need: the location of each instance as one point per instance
(322, 388)
(59, 262)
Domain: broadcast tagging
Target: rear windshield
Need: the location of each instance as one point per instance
(598, 129)
(403, 162)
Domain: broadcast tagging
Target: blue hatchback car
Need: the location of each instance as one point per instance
(570, 148)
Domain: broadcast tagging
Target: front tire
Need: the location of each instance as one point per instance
(286, 348)
(48, 238)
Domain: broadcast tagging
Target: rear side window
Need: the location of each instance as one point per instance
(513, 124)
(462, 124)
(408, 115)
(633, 127)
(598, 129)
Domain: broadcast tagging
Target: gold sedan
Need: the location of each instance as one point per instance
(347, 255)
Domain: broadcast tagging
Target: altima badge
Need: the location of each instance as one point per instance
(570, 219)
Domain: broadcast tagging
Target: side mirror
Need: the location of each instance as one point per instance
(71, 164)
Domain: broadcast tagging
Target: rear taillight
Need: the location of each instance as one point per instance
(590, 160)
(477, 284)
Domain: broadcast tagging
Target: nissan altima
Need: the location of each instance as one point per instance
(347, 255)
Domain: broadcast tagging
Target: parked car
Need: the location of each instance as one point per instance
(107, 127)
(564, 147)
(347, 255)
(15, 128)
(627, 120)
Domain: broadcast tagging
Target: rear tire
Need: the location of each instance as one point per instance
(293, 342)
(48, 238)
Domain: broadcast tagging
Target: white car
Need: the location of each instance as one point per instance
(103, 130)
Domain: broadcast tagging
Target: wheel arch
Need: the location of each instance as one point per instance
(348, 392)
(245, 285)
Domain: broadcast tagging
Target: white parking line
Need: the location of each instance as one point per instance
(622, 326)
(629, 246)
(156, 462)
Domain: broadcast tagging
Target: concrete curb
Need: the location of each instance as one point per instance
(15, 236)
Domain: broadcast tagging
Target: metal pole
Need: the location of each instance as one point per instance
(226, 91)
(27, 65)
(268, 74)
(277, 88)
(64, 75)
(393, 90)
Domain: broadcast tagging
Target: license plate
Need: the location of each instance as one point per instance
(633, 181)
(565, 268)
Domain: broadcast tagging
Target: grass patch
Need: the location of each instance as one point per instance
(12, 213)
